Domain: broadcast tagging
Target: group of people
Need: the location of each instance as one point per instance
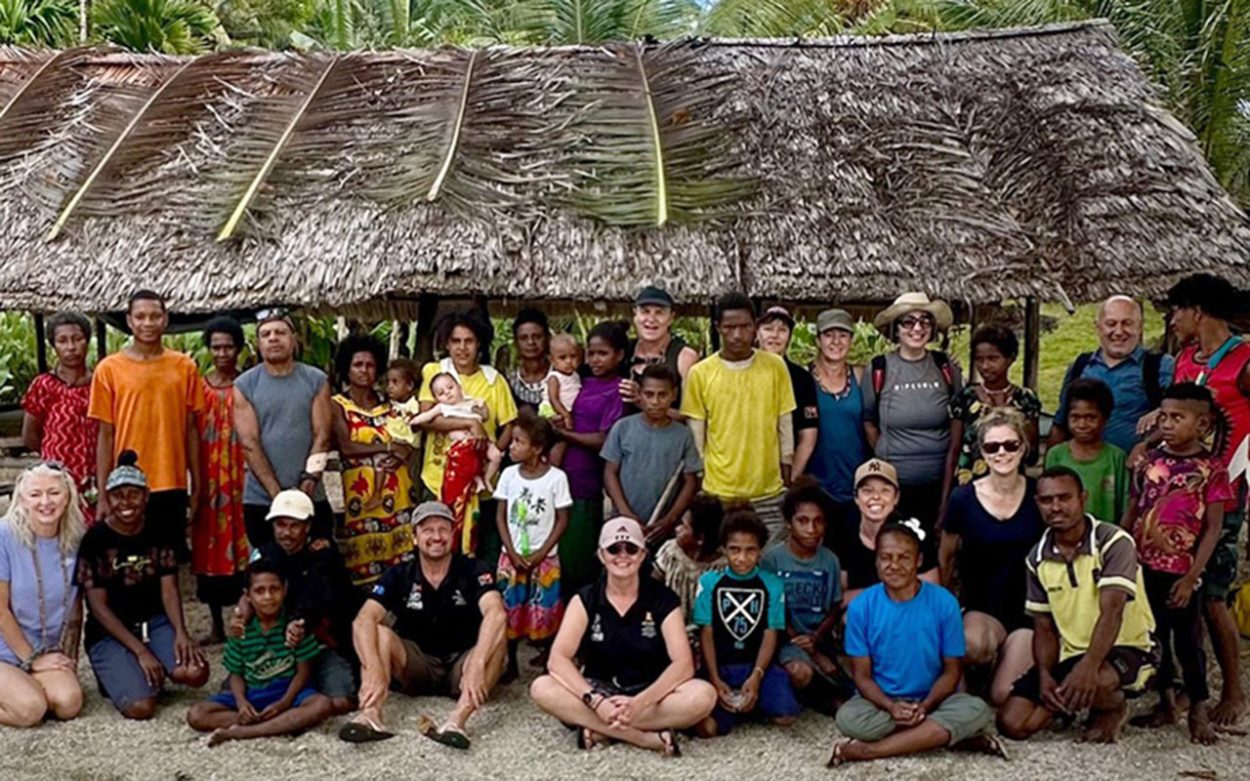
(863, 541)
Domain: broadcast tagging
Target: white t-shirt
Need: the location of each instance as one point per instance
(532, 506)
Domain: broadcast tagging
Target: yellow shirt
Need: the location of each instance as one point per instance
(741, 406)
(486, 385)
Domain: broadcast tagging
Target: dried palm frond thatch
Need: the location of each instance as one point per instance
(32, 92)
(975, 166)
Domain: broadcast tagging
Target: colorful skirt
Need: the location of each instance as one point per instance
(465, 464)
(532, 599)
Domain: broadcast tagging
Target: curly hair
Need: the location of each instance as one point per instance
(358, 343)
(224, 325)
(483, 331)
(62, 319)
(1001, 337)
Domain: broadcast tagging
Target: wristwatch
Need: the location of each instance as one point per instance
(589, 698)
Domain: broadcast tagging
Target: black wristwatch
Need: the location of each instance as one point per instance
(589, 698)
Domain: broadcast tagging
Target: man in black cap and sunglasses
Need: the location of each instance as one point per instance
(282, 414)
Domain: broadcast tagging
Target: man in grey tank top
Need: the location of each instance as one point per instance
(282, 416)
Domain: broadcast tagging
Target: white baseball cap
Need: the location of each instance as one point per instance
(291, 503)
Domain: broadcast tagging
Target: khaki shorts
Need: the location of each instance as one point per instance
(423, 674)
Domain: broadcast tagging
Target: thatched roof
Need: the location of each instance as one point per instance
(975, 167)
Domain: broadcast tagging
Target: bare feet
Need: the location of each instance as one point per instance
(1229, 710)
(984, 744)
(1105, 726)
(220, 736)
(1165, 714)
(1200, 729)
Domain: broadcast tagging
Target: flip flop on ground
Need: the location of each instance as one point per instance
(365, 730)
(449, 734)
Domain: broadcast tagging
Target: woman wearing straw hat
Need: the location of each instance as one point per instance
(635, 682)
(40, 612)
(907, 404)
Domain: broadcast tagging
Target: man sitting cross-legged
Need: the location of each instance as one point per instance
(905, 639)
(449, 604)
(1091, 620)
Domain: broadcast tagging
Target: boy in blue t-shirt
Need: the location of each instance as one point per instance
(812, 577)
(269, 692)
(906, 643)
(740, 611)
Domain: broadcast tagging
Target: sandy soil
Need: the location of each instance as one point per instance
(512, 740)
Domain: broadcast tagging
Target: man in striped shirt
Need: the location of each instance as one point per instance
(269, 691)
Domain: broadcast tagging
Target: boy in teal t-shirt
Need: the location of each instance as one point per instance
(1100, 464)
(269, 693)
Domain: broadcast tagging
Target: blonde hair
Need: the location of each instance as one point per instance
(72, 526)
(1009, 417)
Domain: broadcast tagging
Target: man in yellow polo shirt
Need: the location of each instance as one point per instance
(1092, 621)
(738, 403)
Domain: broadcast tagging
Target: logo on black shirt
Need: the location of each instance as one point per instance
(458, 599)
(414, 598)
(740, 611)
(648, 626)
(596, 631)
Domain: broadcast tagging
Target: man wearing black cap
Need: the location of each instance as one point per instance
(447, 602)
(656, 342)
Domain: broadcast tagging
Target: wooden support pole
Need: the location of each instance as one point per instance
(1032, 341)
(482, 304)
(405, 333)
(970, 376)
(41, 344)
(713, 334)
(101, 339)
(427, 310)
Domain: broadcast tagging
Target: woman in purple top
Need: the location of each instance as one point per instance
(598, 406)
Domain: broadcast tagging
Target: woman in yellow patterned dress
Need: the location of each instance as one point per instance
(377, 490)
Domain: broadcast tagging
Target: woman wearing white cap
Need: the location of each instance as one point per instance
(907, 404)
(636, 680)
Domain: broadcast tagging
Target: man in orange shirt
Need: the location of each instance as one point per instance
(146, 398)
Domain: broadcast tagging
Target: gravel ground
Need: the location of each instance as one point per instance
(513, 740)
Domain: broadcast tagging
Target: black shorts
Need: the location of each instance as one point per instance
(1135, 667)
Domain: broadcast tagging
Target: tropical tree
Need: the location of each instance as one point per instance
(269, 24)
(165, 26)
(38, 22)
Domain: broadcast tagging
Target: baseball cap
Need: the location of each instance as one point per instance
(655, 296)
(777, 313)
(291, 503)
(621, 530)
(835, 318)
(876, 468)
(427, 510)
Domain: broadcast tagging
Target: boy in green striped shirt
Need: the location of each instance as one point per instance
(269, 692)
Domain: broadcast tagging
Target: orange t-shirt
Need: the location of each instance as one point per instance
(149, 404)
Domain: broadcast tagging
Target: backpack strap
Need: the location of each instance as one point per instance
(877, 370)
(1078, 366)
(943, 362)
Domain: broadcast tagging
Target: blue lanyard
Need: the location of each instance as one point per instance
(1215, 359)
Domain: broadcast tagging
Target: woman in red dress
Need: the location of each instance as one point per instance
(56, 425)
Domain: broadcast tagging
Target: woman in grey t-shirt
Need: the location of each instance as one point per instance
(907, 396)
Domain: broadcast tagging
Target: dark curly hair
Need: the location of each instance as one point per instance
(1001, 337)
(358, 343)
(470, 319)
(531, 315)
(224, 325)
(62, 319)
(1214, 295)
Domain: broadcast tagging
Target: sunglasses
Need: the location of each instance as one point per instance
(909, 323)
(617, 548)
(272, 313)
(54, 465)
(1009, 445)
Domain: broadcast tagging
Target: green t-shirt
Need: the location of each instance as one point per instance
(263, 657)
(1105, 479)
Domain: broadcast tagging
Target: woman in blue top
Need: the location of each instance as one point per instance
(840, 445)
(40, 613)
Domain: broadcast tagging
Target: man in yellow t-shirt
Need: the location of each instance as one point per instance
(738, 402)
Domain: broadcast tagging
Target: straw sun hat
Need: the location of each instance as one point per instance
(915, 302)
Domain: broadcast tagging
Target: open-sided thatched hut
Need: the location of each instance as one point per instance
(978, 166)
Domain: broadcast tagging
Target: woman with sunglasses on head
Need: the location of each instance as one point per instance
(906, 405)
(636, 680)
(40, 612)
(991, 524)
(55, 424)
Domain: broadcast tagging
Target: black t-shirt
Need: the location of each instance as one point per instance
(129, 568)
(806, 406)
(318, 590)
(739, 611)
(443, 621)
(859, 562)
(992, 574)
(627, 650)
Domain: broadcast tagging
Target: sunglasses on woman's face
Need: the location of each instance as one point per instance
(1009, 445)
(617, 548)
(908, 323)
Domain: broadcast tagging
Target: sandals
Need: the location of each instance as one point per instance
(670, 748)
(365, 731)
(837, 757)
(448, 734)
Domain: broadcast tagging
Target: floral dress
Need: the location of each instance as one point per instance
(969, 408)
(219, 547)
(69, 436)
(376, 532)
